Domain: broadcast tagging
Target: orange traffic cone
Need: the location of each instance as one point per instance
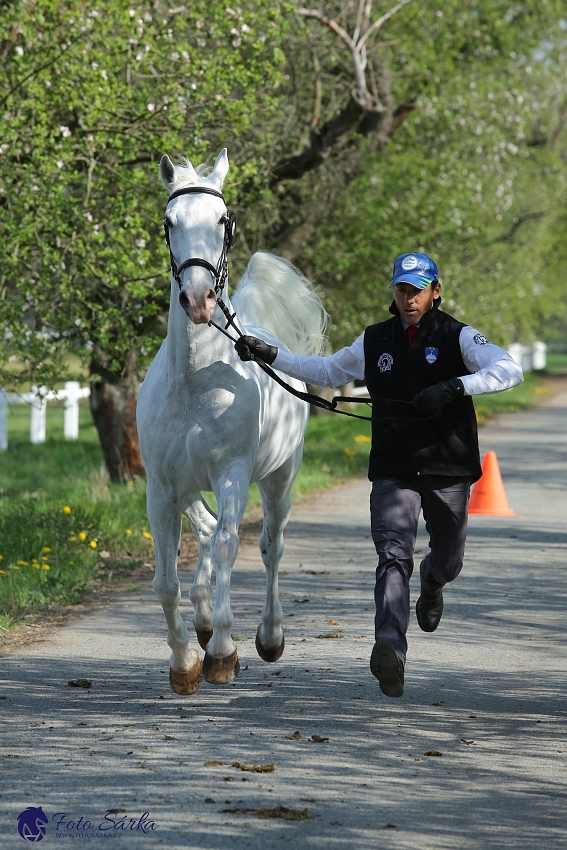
(488, 496)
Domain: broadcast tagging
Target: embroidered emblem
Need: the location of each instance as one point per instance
(409, 263)
(385, 362)
(431, 354)
(481, 340)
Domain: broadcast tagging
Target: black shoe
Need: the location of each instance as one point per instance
(429, 610)
(388, 669)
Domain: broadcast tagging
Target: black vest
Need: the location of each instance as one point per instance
(402, 443)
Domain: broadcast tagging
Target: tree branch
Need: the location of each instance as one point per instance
(379, 23)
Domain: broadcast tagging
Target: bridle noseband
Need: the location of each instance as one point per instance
(220, 273)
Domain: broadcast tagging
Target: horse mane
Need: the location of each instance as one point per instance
(272, 294)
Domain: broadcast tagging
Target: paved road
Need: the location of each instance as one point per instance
(487, 691)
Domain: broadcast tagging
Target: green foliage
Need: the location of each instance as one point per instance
(474, 180)
(92, 96)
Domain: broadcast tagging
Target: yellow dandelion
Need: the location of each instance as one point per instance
(1, 557)
(71, 562)
(15, 567)
(3, 573)
(66, 509)
(82, 535)
(46, 549)
(23, 563)
(130, 484)
(44, 558)
(362, 438)
(46, 567)
(36, 566)
(128, 531)
(92, 544)
(147, 535)
(349, 452)
(72, 538)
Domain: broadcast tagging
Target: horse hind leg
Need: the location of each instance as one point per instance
(185, 674)
(276, 502)
(203, 522)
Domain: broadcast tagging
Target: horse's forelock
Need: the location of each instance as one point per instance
(186, 175)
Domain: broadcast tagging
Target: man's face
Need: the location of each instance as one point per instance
(413, 303)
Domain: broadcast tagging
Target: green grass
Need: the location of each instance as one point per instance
(59, 513)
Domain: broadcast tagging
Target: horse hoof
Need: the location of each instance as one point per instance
(203, 636)
(220, 671)
(269, 655)
(186, 683)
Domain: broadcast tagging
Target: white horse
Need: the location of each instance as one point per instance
(209, 422)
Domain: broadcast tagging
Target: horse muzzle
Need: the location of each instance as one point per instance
(198, 307)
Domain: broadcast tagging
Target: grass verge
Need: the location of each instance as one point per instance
(63, 524)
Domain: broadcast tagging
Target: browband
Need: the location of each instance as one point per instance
(193, 190)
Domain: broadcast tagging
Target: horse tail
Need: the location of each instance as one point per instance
(272, 294)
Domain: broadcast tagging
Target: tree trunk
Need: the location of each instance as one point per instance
(113, 406)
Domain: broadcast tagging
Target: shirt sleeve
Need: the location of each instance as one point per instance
(331, 371)
(493, 368)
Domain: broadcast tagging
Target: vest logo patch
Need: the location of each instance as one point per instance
(481, 340)
(431, 354)
(385, 362)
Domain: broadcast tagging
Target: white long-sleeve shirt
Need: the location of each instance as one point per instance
(493, 369)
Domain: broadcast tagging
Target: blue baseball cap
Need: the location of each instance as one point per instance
(417, 269)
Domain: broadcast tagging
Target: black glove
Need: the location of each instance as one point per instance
(430, 401)
(252, 348)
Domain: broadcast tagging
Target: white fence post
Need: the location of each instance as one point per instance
(539, 356)
(3, 421)
(71, 414)
(37, 418)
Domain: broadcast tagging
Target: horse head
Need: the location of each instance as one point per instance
(199, 230)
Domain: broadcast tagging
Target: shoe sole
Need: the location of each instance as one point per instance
(385, 666)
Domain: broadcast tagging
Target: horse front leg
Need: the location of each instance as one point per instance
(220, 664)
(185, 674)
(276, 502)
(203, 522)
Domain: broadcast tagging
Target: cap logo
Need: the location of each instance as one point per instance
(409, 263)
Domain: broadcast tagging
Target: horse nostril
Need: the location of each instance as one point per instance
(183, 300)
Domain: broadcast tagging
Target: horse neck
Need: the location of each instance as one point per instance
(191, 347)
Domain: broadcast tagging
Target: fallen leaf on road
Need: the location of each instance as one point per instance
(80, 683)
(169, 738)
(390, 826)
(214, 763)
(333, 622)
(254, 768)
(433, 753)
(276, 812)
(301, 601)
(317, 572)
(467, 742)
(437, 703)
(295, 737)
(331, 635)
(318, 739)
(229, 778)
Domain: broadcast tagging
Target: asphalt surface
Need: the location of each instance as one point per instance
(486, 693)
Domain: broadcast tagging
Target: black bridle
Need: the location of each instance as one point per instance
(220, 272)
(220, 275)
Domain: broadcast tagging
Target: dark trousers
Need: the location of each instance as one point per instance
(394, 511)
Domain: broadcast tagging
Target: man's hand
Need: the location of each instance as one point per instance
(430, 401)
(252, 348)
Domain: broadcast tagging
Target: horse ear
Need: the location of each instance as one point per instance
(220, 169)
(167, 172)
